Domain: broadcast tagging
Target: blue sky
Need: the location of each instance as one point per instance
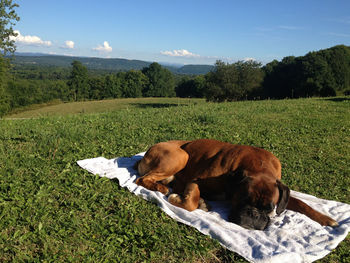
(186, 32)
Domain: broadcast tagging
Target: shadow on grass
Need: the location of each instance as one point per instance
(338, 99)
(156, 105)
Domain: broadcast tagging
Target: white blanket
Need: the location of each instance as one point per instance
(290, 237)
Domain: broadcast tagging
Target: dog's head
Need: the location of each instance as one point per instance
(255, 199)
(250, 217)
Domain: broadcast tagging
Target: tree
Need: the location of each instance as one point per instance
(8, 18)
(191, 87)
(250, 77)
(161, 81)
(282, 78)
(134, 81)
(96, 88)
(338, 60)
(113, 87)
(321, 73)
(4, 97)
(228, 82)
(317, 78)
(78, 81)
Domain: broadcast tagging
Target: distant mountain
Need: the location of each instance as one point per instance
(91, 63)
(112, 64)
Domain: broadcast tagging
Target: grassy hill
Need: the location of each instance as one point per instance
(109, 64)
(51, 210)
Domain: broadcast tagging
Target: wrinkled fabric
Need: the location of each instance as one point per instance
(290, 237)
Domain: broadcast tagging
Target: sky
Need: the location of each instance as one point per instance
(182, 32)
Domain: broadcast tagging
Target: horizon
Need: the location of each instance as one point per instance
(182, 33)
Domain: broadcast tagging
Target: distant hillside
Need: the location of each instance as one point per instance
(92, 63)
(113, 64)
(195, 69)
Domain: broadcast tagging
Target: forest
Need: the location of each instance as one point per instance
(319, 73)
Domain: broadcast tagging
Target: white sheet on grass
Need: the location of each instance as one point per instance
(290, 237)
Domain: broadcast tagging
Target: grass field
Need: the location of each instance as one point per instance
(57, 108)
(51, 210)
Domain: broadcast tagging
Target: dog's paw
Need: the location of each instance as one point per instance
(203, 205)
(327, 221)
(174, 199)
(162, 188)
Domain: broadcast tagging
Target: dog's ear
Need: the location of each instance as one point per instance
(283, 198)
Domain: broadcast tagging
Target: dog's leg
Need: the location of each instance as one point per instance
(150, 181)
(297, 205)
(190, 198)
(160, 163)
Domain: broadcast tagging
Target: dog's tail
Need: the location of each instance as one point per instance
(297, 205)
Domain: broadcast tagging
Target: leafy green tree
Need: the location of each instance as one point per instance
(321, 73)
(78, 81)
(59, 90)
(192, 87)
(113, 86)
(338, 60)
(221, 82)
(8, 19)
(250, 77)
(22, 92)
(134, 81)
(317, 77)
(184, 87)
(161, 81)
(229, 82)
(281, 78)
(104, 87)
(4, 97)
(96, 88)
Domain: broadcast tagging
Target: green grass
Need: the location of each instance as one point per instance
(57, 108)
(52, 210)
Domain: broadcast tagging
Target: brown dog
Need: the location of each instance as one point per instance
(247, 176)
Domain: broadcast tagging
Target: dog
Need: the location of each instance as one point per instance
(248, 177)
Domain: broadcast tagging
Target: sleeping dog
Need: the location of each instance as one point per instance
(249, 177)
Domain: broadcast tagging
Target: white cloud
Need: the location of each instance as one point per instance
(105, 48)
(30, 40)
(69, 44)
(249, 59)
(180, 53)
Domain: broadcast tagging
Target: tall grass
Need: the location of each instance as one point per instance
(51, 210)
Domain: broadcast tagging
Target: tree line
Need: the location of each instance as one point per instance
(151, 81)
(322, 73)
